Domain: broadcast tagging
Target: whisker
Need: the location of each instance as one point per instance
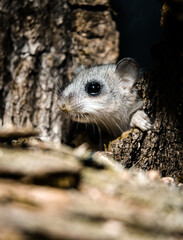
(89, 117)
(117, 125)
(99, 130)
(109, 130)
(77, 122)
(88, 121)
(93, 128)
(58, 91)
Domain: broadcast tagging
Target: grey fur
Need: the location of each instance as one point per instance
(116, 108)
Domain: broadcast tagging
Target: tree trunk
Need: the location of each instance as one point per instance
(83, 196)
(60, 193)
(160, 148)
(41, 44)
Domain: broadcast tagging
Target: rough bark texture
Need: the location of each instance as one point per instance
(160, 148)
(41, 44)
(48, 193)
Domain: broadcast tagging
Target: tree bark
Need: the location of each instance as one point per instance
(41, 44)
(50, 192)
(160, 148)
(83, 196)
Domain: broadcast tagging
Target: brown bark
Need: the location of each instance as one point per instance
(41, 44)
(160, 148)
(48, 192)
(41, 199)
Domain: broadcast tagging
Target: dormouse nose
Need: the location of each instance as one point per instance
(64, 107)
(65, 103)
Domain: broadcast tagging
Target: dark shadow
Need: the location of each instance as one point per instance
(139, 25)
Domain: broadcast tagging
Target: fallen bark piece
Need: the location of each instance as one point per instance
(109, 205)
(54, 168)
(61, 193)
(51, 213)
(10, 132)
(90, 2)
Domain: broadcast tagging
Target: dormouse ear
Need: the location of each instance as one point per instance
(128, 71)
(79, 69)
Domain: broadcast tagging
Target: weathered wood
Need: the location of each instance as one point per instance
(54, 169)
(41, 45)
(162, 147)
(109, 202)
(10, 132)
(56, 193)
(90, 2)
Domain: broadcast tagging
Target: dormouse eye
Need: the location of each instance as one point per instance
(93, 88)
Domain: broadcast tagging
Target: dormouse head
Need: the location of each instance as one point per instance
(98, 92)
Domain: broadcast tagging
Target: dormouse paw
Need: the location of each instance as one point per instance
(140, 120)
